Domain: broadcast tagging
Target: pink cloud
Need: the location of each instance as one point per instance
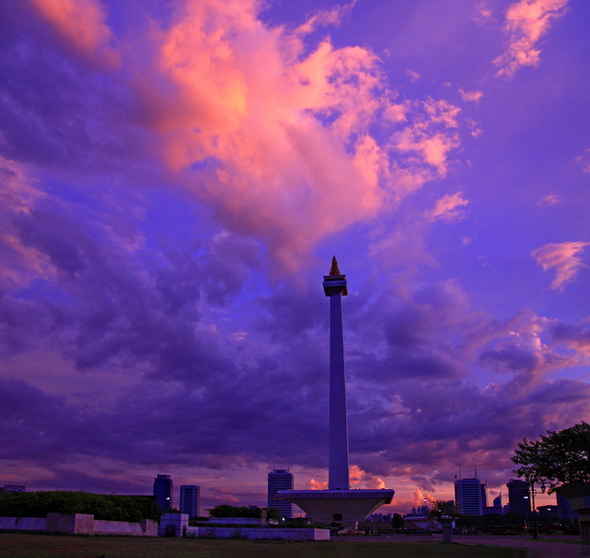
(584, 161)
(448, 207)
(471, 96)
(564, 257)
(527, 21)
(429, 137)
(550, 199)
(81, 24)
(277, 137)
(323, 18)
(19, 264)
(413, 75)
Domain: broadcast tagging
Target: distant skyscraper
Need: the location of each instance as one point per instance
(13, 488)
(163, 491)
(280, 479)
(496, 508)
(189, 499)
(519, 497)
(470, 496)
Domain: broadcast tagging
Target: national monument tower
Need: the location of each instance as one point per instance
(337, 504)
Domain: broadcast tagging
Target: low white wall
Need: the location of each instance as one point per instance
(103, 527)
(24, 523)
(173, 524)
(79, 524)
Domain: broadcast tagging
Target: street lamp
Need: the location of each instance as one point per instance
(533, 492)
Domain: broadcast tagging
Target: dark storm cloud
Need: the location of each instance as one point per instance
(108, 310)
(22, 322)
(62, 112)
(511, 358)
(35, 425)
(574, 333)
(413, 336)
(263, 394)
(106, 306)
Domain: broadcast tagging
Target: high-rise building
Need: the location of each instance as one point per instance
(519, 497)
(496, 507)
(163, 491)
(190, 499)
(280, 479)
(470, 496)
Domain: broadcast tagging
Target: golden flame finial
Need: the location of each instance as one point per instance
(334, 271)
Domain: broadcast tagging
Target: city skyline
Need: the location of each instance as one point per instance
(176, 176)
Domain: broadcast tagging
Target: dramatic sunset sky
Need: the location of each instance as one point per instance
(175, 178)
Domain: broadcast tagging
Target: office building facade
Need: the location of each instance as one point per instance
(519, 498)
(163, 492)
(190, 499)
(280, 479)
(470, 496)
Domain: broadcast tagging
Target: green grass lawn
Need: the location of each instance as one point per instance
(19, 545)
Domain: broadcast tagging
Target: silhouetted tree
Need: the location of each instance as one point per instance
(225, 510)
(397, 521)
(555, 458)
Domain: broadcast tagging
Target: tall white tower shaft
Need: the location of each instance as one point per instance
(335, 288)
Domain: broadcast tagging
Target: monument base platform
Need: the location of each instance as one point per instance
(344, 507)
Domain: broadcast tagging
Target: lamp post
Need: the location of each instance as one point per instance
(535, 534)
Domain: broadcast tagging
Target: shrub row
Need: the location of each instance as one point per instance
(102, 506)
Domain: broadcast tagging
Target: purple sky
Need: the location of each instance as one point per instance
(175, 178)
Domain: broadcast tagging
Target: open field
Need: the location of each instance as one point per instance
(20, 545)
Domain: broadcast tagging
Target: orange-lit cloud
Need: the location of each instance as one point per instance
(448, 208)
(362, 479)
(564, 258)
(81, 23)
(421, 498)
(317, 485)
(527, 21)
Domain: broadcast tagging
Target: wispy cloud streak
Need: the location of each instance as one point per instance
(565, 258)
(527, 21)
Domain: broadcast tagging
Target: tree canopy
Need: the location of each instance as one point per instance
(555, 458)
